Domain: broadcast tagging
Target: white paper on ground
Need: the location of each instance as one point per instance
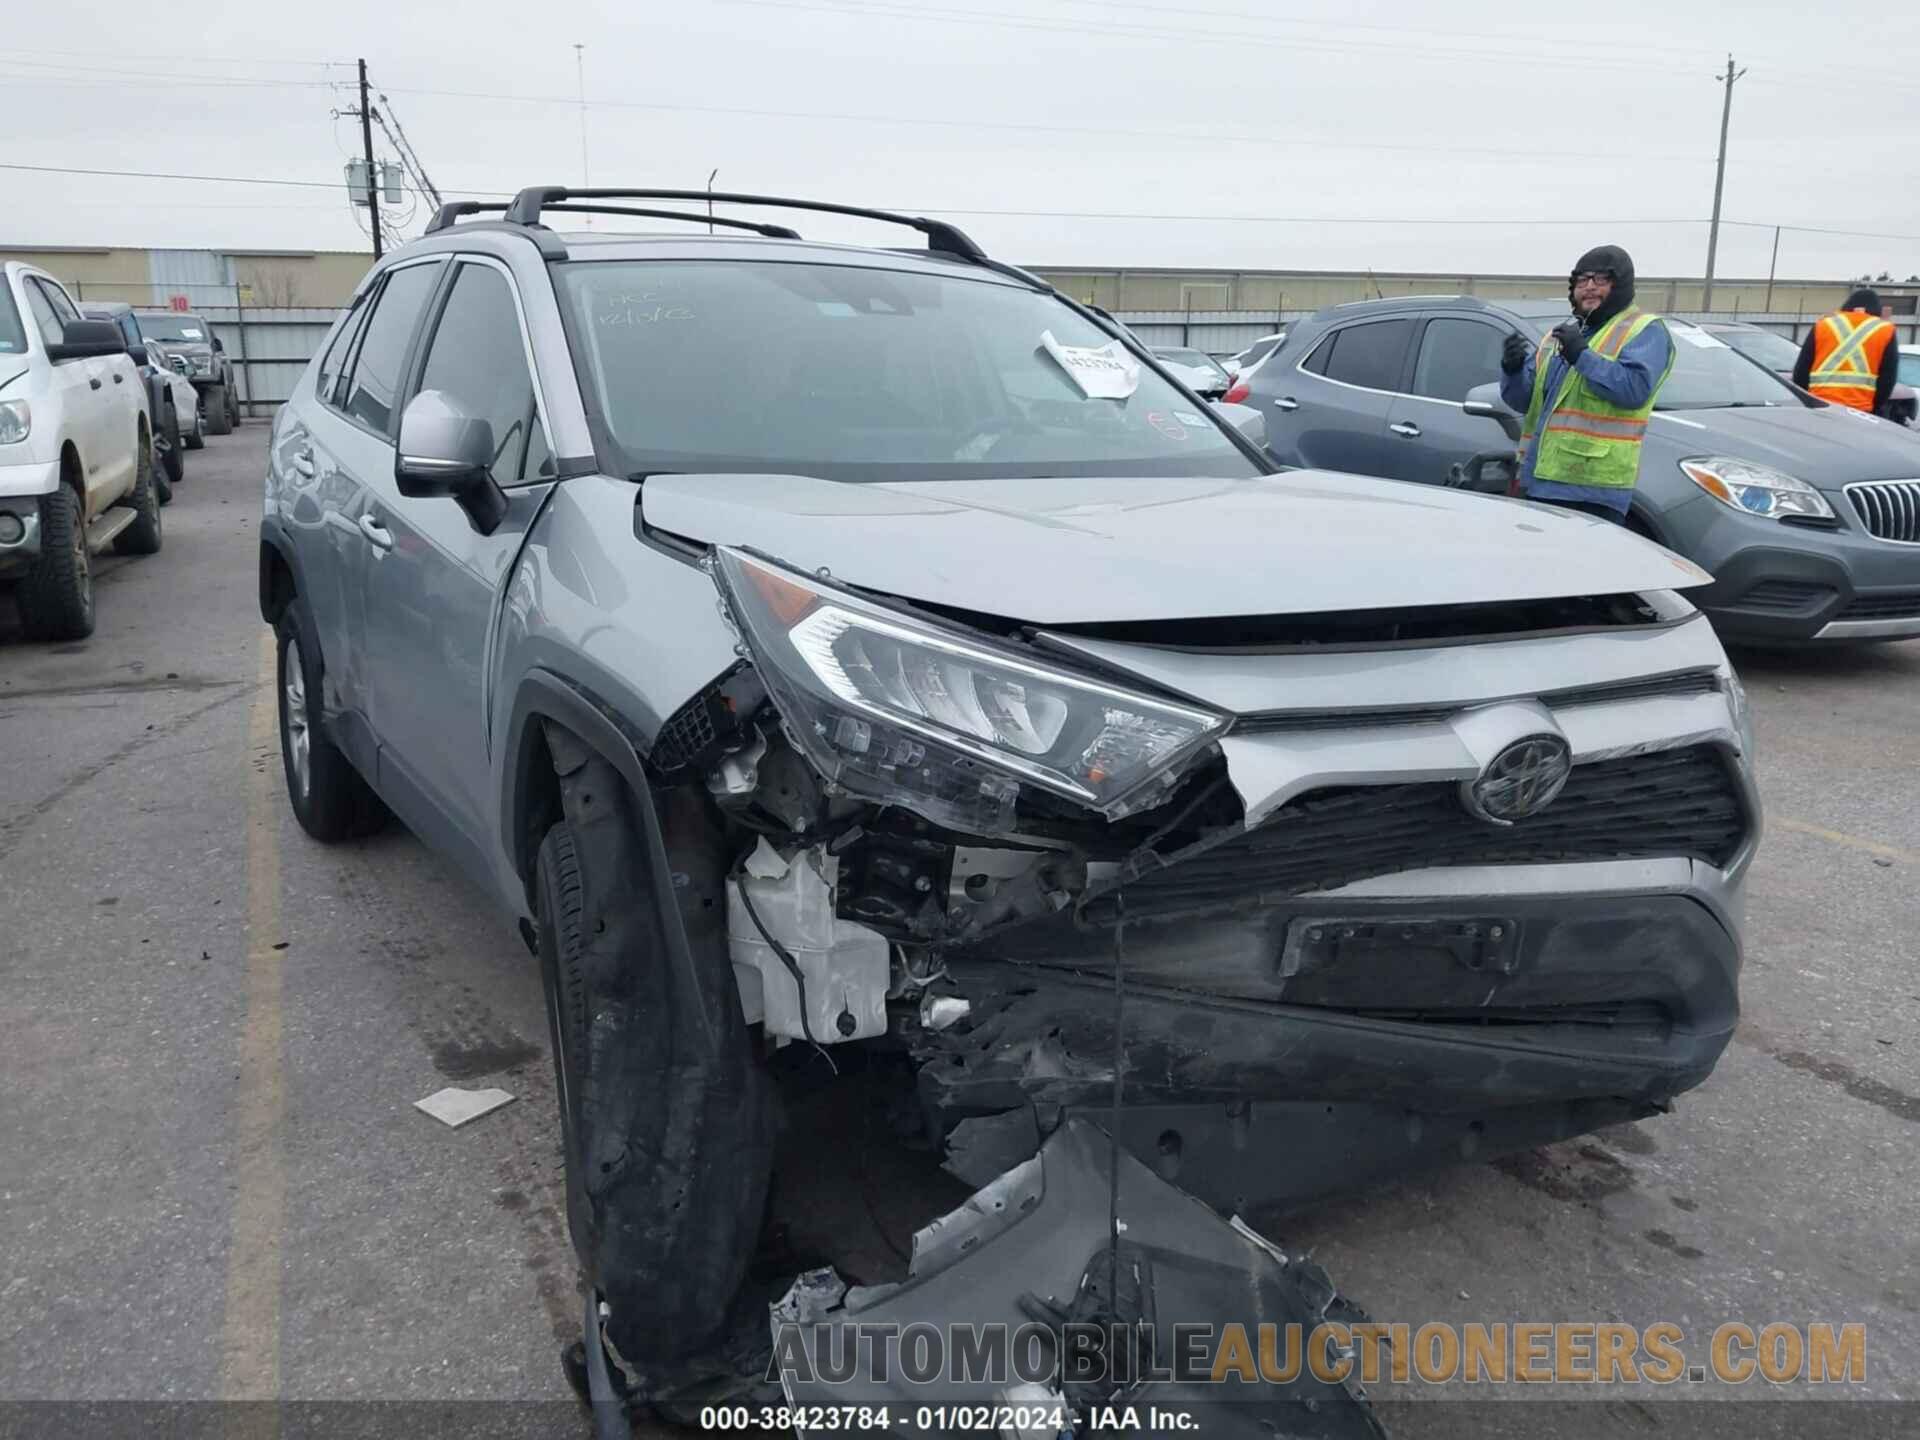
(1103, 372)
(455, 1107)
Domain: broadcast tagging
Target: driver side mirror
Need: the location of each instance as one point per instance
(218, 348)
(138, 354)
(87, 340)
(1485, 401)
(444, 452)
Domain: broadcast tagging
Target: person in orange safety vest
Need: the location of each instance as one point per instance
(1852, 356)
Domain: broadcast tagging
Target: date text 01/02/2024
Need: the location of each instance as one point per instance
(994, 1419)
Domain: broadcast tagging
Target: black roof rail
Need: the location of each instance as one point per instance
(948, 239)
(444, 217)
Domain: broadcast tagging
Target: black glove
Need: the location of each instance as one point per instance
(1513, 354)
(1572, 337)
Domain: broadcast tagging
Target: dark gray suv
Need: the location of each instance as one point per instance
(1807, 514)
(827, 649)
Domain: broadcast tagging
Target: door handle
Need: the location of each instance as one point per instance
(1286, 402)
(94, 382)
(303, 462)
(378, 534)
(1406, 428)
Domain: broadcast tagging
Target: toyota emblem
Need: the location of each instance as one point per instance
(1521, 780)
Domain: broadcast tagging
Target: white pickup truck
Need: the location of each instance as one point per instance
(76, 453)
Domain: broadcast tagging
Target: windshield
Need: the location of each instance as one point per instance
(13, 339)
(1909, 368)
(187, 328)
(866, 374)
(1776, 352)
(1709, 375)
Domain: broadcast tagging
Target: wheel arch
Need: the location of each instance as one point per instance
(555, 727)
(279, 573)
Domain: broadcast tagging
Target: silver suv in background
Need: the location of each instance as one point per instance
(864, 648)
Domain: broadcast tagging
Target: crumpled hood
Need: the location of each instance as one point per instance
(1829, 447)
(1065, 551)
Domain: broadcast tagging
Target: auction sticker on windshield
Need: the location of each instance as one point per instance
(1103, 372)
(1700, 338)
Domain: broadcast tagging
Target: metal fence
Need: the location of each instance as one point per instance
(1227, 332)
(268, 346)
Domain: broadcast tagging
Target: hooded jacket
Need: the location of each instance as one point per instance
(1860, 298)
(1615, 260)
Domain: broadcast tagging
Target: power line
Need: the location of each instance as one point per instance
(81, 73)
(1524, 220)
(208, 59)
(1205, 137)
(1239, 39)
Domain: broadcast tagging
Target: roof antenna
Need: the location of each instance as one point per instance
(710, 174)
(580, 79)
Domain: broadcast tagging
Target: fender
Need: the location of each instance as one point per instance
(544, 696)
(275, 541)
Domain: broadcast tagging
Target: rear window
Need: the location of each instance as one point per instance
(13, 335)
(853, 373)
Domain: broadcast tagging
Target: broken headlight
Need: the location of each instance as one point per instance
(910, 713)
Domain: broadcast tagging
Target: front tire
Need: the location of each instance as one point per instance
(669, 1144)
(196, 437)
(56, 596)
(330, 799)
(219, 419)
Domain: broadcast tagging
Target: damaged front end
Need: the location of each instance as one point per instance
(1499, 912)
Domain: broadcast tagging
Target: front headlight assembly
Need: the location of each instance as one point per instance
(1755, 489)
(16, 421)
(907, 712)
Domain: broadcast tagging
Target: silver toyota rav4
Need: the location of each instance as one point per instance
(835, 649)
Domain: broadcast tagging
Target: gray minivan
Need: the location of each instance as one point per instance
(1807, 514)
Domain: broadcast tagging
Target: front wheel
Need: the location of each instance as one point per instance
(668, 1142)
(196, 437)
(56, 596)
(219, 416)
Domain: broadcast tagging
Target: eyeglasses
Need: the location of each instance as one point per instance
(1594, 277)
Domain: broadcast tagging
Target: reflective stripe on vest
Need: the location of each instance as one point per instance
(1585, 439)
(1848, 348)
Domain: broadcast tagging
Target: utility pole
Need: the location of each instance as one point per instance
(1772, 265)
(1719, 182)
(366, 145)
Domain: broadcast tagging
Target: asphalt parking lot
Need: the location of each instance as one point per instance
(213, 1182)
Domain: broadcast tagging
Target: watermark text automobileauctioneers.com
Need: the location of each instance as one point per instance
(1524, 1353)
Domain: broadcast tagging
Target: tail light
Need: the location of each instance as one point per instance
(1237, 392)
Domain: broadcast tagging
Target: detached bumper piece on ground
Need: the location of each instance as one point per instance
(1009, 1310)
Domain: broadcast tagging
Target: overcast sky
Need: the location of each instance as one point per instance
(1414, 118)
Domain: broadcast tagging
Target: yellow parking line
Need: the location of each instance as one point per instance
(1840, 837)
(250, 1352)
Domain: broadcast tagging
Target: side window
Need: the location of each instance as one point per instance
(477, 359)
(52, 332)
(62, 306)
(1455, 356)
(1371, 355)
(129, 329)
(1316, 363)
(335, 360)
(375, 386)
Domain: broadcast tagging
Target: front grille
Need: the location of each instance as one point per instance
(1680, 682)
(1890, 509)
(1785, 597)
(1668, 803)
(1899, 605)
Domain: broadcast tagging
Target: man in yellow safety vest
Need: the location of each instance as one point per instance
(1587, 391)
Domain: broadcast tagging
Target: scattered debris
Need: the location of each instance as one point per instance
(1883, 862)
(454, 1107)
